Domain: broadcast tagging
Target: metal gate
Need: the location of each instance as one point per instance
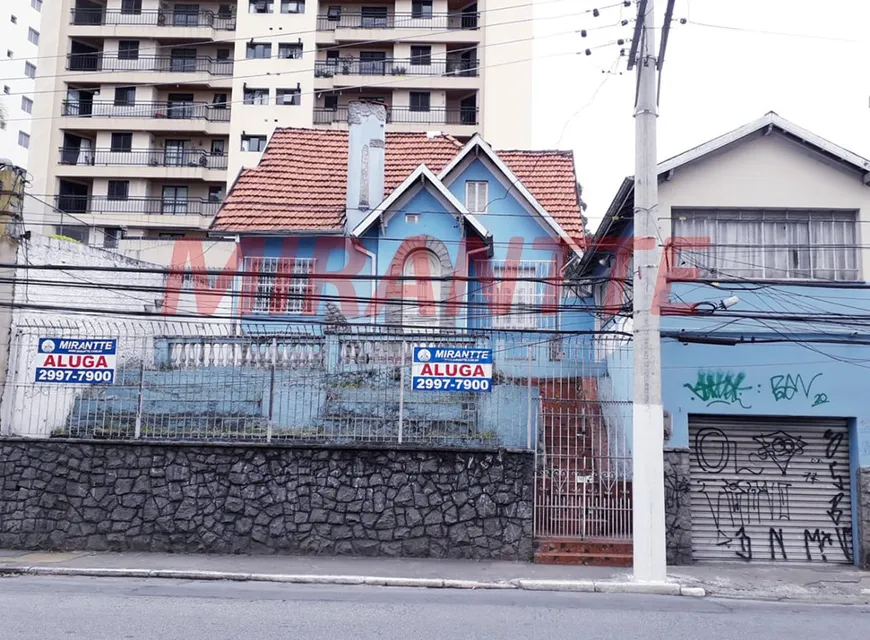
(583, 486)
(770, 490)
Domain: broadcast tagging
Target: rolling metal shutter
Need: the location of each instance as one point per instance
(770, 490)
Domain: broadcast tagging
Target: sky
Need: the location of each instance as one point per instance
(804, 59)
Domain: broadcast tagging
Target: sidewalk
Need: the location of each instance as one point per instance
(823, 584)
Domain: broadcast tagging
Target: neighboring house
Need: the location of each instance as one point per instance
(764, 349)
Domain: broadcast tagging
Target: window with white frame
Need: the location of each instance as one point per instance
(261, 6)
(288, 96)
(769, 244)
(30, 69)
(256, 96)
(260, 50)
(513, 303)
(283, 286)
(292, 6)
(476, 196)
(253, 143)
(290, 50)
(36, 4)
(33, 35)
(422, 290)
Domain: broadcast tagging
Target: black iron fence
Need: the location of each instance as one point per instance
(172, 110)
(143, 157)
(414, 20)
(221, 21)
(397, 67)
(126, 61)
(154, 205)
(406, 115)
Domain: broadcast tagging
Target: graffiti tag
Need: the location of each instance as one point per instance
(720, 388)
(787, 387)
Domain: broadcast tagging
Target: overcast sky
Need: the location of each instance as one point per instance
(714, 80)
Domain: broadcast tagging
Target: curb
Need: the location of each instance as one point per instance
(523, 584)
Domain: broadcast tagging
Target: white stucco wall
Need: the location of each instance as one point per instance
(767, 172)
(36, 410)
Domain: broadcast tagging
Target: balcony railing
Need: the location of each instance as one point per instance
(432, 22)
(405, 115)
(158, 110)
(169, 64)
(152, 18)
(143, 158)
(350, 66)
(147, 205)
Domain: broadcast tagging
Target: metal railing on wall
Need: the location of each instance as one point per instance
(397, 67)
(98, 16)
(150, 205)
(465, 20)
(194, 381)
(120, 61)
(161, 110)
(189, 158)
(405, 115)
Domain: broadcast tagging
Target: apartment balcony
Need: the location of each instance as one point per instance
(453, 121)
(357, 26)
(165, 164)
(145, 69)
(160, 23)
(146, 211)
(162, 116)
(403, 73)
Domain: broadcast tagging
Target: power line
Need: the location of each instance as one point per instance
(81, 77)
(266, 319)
(367, 85)
(272, 34)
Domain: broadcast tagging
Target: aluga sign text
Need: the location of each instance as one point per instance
(451, 369)
(76, 361)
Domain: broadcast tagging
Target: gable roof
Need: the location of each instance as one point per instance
(478, 143)
(299, 184)
(421, 173)
(621, 209)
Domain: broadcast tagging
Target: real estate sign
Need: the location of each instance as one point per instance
(451, 369)
(76, 360)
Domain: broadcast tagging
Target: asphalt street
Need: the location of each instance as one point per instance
(50, 608)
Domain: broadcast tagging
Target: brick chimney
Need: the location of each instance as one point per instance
(365, 160)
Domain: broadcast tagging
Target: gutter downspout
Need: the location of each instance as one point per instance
(356, 243)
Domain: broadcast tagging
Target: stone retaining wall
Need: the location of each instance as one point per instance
(61, 494)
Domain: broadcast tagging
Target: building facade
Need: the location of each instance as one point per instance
(20, 37)
(152, 108)
(764, 351)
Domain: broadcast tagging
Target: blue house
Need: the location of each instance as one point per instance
(764, 344)
(361, 245)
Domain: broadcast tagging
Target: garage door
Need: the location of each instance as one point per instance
(770, 490)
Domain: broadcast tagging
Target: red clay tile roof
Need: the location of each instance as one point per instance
(300, 181)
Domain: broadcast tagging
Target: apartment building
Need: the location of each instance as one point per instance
(154, 107)
(19, 46)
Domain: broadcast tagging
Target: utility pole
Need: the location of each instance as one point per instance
(648, 503)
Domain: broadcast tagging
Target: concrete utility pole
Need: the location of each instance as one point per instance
(650, 564)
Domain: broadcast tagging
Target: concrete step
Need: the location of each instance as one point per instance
(603, 552)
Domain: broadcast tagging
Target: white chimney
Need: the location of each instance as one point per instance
(365, 160)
